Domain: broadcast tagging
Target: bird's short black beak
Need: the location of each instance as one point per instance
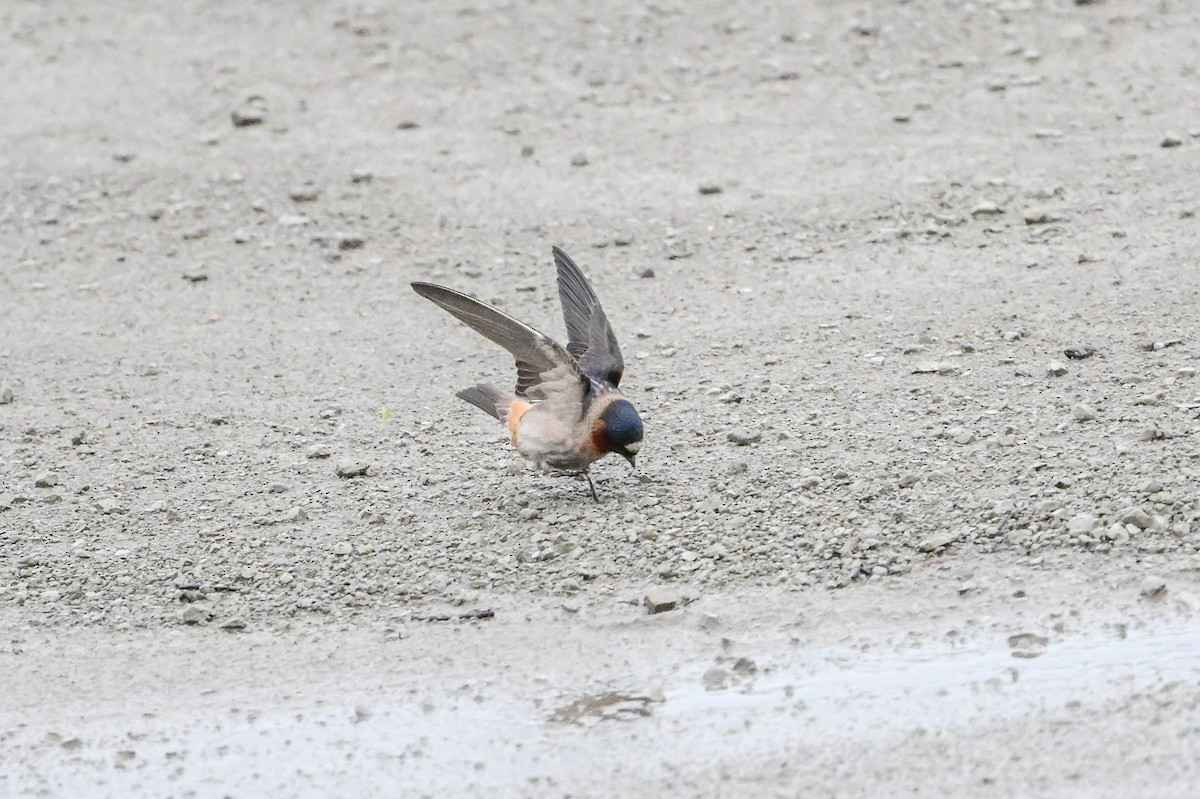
(629, 456)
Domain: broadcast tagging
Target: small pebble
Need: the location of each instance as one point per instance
(6, 396)
(1027, 645)
(1083, 413)
(1040, 216)
(305, 194)
(710, 188)
(986, 209)
(251, 112)
(295, 514)
(960, 435)
(936, 542)
(715, 679)
(1082, 523)
(317, 452)
(1137, 517)
(1078, 353)
(660, 599)
(744, 665)
(1188, 601)
(195, 613)
(1153, 586)
(352, 468)
(109, 506)
(743, 437)
(1151, 432)
(1056, 369)
(342, 548)
(936, 368)
(1170, 140)
(45, 480)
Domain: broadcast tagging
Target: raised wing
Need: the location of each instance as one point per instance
(544, 369)
(589, 336)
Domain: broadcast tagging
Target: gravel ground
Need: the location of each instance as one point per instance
(853, 253)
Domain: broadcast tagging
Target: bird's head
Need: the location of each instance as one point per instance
(619, 430)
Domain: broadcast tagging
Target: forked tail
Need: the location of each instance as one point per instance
(504, 405)
(488, 398)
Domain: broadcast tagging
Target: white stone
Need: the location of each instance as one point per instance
(1083, 413)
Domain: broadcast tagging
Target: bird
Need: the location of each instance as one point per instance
(566, 411)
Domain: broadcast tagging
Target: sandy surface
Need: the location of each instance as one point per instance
(874, 229)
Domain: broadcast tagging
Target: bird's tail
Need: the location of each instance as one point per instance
(488, 398)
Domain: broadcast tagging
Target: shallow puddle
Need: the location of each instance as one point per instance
(494, 741)
(944, 685)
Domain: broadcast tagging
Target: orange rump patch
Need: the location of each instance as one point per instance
(512, 420)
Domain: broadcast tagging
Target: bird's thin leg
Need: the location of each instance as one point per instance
(591, 485)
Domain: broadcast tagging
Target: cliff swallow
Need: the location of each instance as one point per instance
(566, 411)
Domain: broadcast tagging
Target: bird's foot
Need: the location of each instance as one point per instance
(591, 487)
(578, 473)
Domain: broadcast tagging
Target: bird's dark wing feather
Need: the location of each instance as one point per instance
(544, 369)
(590, 338)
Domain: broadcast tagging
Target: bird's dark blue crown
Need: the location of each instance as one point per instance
(621, 425)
